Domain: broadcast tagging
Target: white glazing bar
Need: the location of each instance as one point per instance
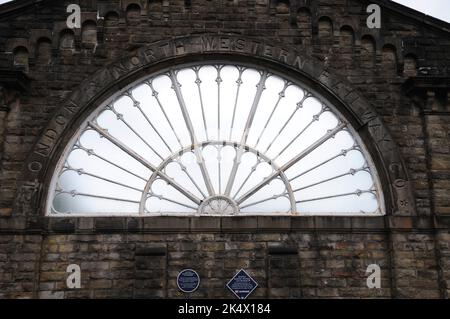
(219, 149)
(92, 153)
(75, 193)
(236, 99)
(120, 118)
(291, 163)
(160, 197)
(198, 81)
(342, 153)
(252, 171)
(297, 108)
(186, 172)
(281, 95)
(81, 172)
(137, 104)
(144, 162)
(274, 197)
(161, 107)
(357, 193)
(200, 160)
(351, 172)
(260, 88)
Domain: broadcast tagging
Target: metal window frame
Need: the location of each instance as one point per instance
(89, 121)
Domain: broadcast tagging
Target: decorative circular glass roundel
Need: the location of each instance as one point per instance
(215, 140)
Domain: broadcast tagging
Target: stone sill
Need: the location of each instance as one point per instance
(221, 224)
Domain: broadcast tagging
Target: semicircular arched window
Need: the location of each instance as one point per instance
(215, 140)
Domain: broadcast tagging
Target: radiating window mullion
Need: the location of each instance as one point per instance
(93, 153)
(298, 107)
(137, 104)
(201, 161)
(281, 95)
(155, 94)
(291, 162)
(236, 99)
(120, 118)
(252, 171)
(219, 148)
(82, 172)
(145, 163)
(75, 193)
(198, 82)
(342, 153)
(164, 198)
(185, 170)
(274, 197)
(260, 88)
(357, 193)
(351, 172)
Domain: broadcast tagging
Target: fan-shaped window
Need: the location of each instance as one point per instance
(215, 140)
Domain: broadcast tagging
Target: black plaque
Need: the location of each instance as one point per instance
(188, 280)
(242, 285)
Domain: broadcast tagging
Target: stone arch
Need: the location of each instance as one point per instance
(283, 7)
(389, 58)
(89, 33)
(111, 19)
(21, 57)
(410, 65)
(346, 36)
(133, 13)
(159, 55)
(325, 30)
(44, 51)
(368, 51)
(67, 40)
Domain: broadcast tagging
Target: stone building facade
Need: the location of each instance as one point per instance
(392, 83)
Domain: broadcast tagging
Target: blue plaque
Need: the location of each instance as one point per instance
(242, 285)
(188, 280)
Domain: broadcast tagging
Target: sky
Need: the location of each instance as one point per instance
(436, 8)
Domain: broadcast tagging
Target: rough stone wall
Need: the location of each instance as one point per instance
(146, 266)
(413, 251)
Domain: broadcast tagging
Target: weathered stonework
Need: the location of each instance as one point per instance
(391, 83)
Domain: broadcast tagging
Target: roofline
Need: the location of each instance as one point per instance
(15, 5)
(413, 14)
(12, 6)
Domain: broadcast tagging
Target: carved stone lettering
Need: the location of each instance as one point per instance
(118, 70)
(255, 47)
(225, 43)
(135, 60)
(368, 116)
(268, 51)
(299, 62)
(239, 45)
(61, 120)
(283, 56)
(71, 107)
(180, 48)
(35, 167)
(208, 43)
(149, 55)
